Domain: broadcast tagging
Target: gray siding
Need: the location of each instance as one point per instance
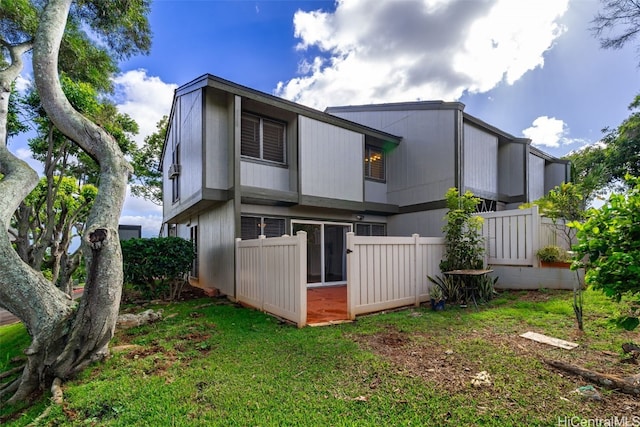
(331, 161)
(260, 175)
(511, 165)
(217, 248)
(555, 174)
(375, 191)
(217, 137)
(190, 138)
(425, 223)
(166, 182)
(480, 162)
(422, 168)
(185, 130)
(536, 177)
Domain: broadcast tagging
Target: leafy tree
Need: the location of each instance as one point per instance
(44, 235)
(609, 241)
(51, 220)
(562, 204)
(617, 13)
(147, 181)
(590, 172)
(14, 125)
(623, 156)
(464, 248)
(65, 337)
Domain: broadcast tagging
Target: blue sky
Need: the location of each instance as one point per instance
(530, 68)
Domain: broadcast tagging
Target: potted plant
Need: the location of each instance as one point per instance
(553, 256)
(436, 295)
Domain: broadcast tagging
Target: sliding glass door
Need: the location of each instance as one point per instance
(326, 250)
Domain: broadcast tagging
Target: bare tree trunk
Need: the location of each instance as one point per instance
(64, 341)
(628, 385)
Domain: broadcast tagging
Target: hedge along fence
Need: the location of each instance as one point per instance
(157, 267)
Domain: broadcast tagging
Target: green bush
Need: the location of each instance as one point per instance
(552, 253)
(157, 267)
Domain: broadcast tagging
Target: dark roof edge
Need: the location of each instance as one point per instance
(399, 106)
(208, 80)
(546, 156)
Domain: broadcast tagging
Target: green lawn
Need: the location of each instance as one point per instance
(214, 363)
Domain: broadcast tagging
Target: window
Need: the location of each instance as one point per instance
(363, 229)
(262, 138)
(253, 226)
(194, 241)
(374, 163)
(175, 179)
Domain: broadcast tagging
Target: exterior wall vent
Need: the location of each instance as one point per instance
(174, 171)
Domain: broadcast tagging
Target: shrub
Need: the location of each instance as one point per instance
(157, 267)
(552, 253)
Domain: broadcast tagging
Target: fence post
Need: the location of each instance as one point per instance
(485, 239)
(536, 225)
(416, 270)
(351, 276)
(262, 268)
(301, 267)
(237, 269)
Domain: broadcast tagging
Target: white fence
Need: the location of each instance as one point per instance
(382, 272)
(513, 237)
(271, 275)
(390, 272)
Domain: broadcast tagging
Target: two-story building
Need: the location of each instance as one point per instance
(238, 163)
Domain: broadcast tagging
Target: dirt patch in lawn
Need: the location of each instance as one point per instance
(451, 370)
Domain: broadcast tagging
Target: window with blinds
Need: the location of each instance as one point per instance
(262, 138)
(371, 229)
(254, 226)
(374, 163)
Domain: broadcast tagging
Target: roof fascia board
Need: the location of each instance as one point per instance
(399, 106)
(166, 135)
(486, 126)
(546, 156)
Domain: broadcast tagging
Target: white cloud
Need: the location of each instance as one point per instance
(546, 131)
(150, 223)
(23, 84)
(24, 154)
(420, 49)
(145, 98)
(138, 211)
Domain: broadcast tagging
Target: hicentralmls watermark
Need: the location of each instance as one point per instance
(624, 421)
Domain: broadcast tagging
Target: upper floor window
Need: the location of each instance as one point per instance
(174, 174)
(262, 138)
(374, 163)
